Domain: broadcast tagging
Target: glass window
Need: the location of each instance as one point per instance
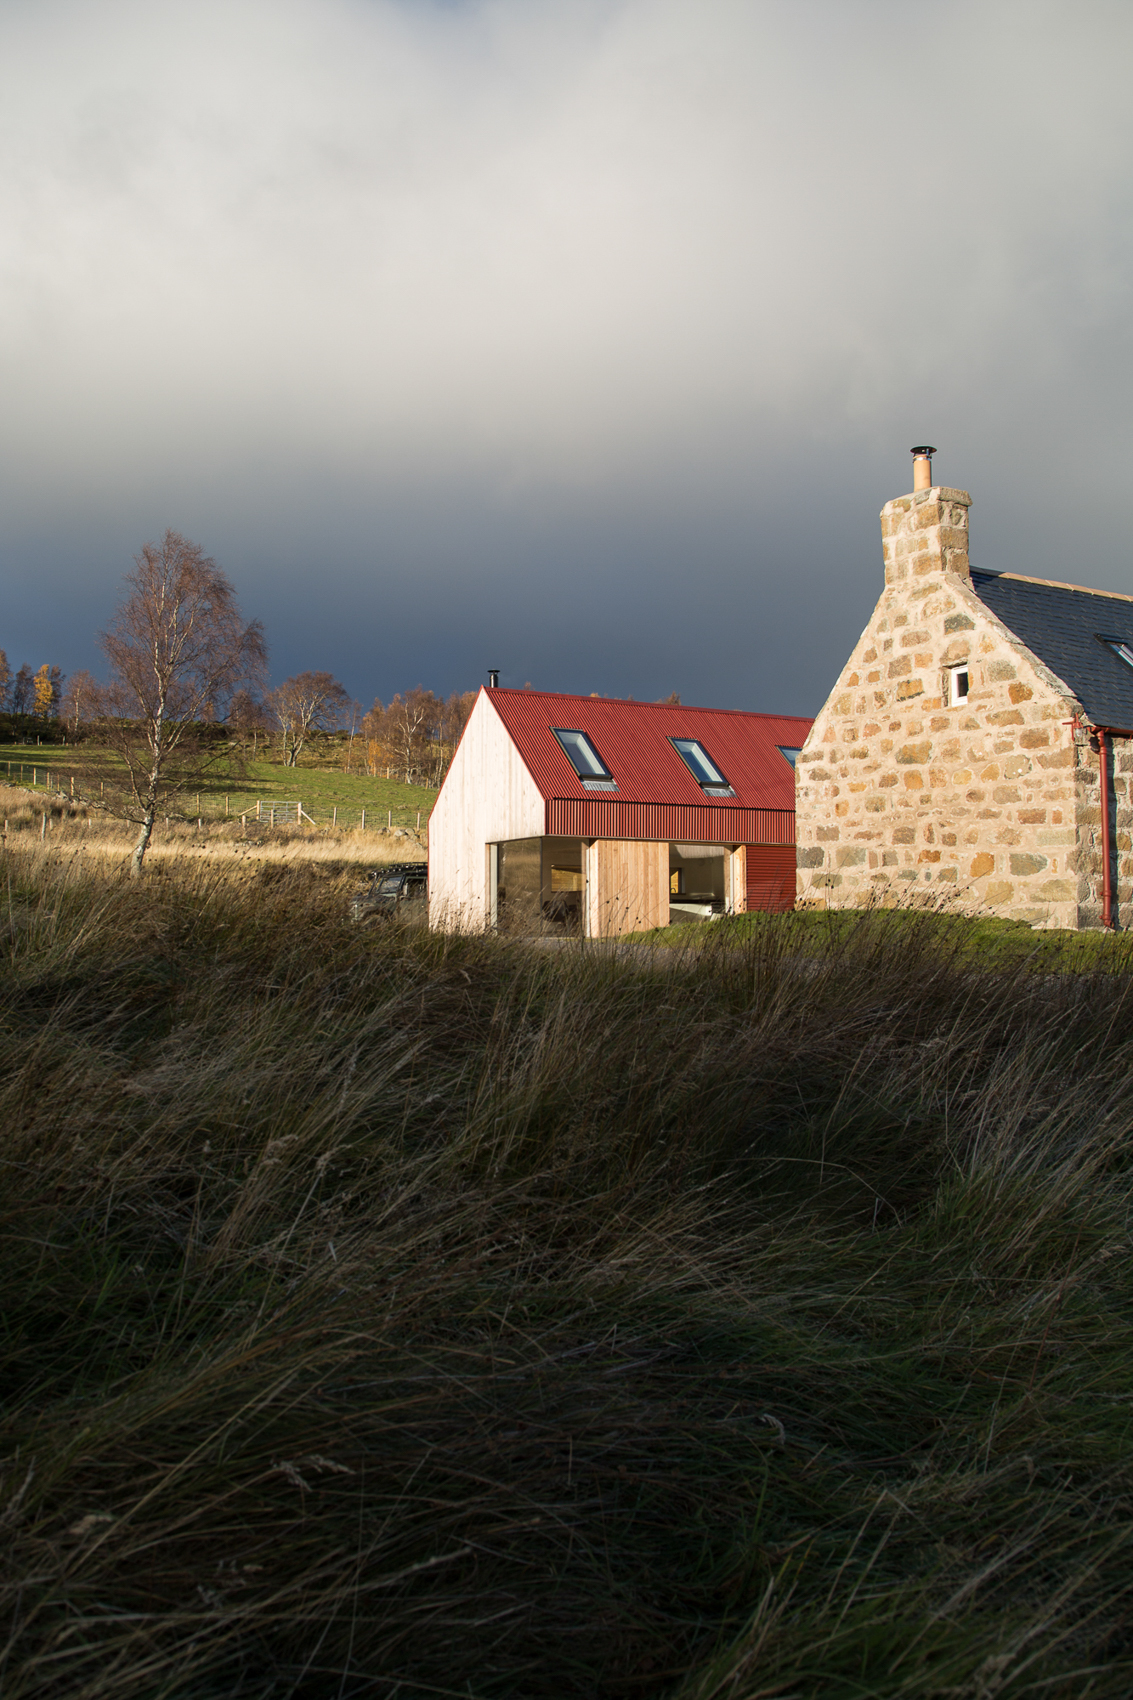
(702, 767)
(958, 686)
(585, 760)
(791, 751)
(1121, 648)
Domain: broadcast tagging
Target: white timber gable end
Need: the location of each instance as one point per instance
(488, 797)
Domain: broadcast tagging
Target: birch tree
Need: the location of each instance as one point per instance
(178, 648)
(307, 703)
(78, 701)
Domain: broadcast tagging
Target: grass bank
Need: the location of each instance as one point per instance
(984, 942)
(398, 1314)
(326, 791)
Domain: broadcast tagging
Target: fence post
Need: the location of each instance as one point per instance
(363, 820)
(43, 826)
(334, 817)
(418, 820)
(389, 820)
(226, 808)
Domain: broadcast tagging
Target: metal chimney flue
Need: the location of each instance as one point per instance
(493, 678)
(922, 467)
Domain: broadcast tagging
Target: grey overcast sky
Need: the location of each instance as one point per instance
(580, 338)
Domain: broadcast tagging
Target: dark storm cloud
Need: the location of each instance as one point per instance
(582, 339)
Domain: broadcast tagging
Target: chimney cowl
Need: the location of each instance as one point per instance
(922, 466)
(493, 678)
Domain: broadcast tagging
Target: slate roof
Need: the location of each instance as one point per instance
(1062, 624)
(633, 739)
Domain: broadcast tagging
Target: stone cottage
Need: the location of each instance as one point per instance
(978, 741)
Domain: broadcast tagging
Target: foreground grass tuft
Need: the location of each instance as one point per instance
(392, 1313)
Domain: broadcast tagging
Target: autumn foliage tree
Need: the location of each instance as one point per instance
(48, 689)
(178, 649)
(415, 736)
(307, 703)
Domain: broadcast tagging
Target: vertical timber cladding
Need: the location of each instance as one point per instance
(770, 881)
(627, 887)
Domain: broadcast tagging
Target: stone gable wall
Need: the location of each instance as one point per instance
(1090, 878)
(898, 793)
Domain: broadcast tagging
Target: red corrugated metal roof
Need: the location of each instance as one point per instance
(633, 740)
(605, 817)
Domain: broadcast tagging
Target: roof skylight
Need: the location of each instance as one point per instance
(702, 767)
(585, 760)
(1121, 647)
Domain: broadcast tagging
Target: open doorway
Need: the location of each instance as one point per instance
(698, 886)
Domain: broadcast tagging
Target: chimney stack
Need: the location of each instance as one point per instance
(927, 531)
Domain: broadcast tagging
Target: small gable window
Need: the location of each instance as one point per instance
(1121, 647)
(958, 686)
(585, 760)
(792, 752)
(702, 767)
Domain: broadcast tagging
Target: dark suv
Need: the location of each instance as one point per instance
(401, 889)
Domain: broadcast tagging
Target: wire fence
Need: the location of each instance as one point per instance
(249, 812)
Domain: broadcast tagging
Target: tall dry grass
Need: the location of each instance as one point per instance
(71, 827)
(395, 1314)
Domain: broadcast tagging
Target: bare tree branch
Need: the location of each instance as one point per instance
(80, 701)
(178, 648)
(309, 702)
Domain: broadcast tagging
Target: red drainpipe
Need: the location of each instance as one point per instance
(1101, 733)
(1107, 882)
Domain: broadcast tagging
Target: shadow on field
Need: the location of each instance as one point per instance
(390, 1313)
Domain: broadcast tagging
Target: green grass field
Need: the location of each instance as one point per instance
(320, 789)
(393, 1314)
(987, 941)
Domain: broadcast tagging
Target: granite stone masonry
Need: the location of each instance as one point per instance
(950, 762)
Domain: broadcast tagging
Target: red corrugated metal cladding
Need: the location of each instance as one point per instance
(608, 817)
(770, 877)
(632, 738)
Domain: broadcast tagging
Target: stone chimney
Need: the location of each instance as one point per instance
(927, 531)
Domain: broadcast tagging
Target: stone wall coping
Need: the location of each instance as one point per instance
(938, 493)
